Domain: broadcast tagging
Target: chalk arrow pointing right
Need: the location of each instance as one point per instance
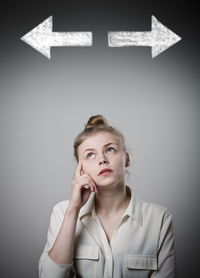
(159, 38)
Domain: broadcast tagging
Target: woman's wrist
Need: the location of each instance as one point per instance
(72, 209)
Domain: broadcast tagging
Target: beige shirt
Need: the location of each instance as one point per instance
(142, 245)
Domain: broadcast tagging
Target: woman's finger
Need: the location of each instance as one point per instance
(94, 184)
(85, 178)
(88, 185)
(79, 169)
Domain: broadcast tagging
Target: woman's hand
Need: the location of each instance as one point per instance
(82, 186)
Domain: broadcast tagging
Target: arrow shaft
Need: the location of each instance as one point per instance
(119, 39)
(70, 39)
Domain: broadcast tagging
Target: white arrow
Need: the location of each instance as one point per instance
(42, 38)
(159, 38)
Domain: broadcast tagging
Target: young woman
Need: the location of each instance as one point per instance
(105, 230)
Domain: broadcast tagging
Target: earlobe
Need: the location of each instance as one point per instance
(127, 164)
(127, 160)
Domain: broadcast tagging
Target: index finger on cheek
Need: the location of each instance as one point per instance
(79, 169)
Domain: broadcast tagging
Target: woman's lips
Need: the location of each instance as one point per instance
(105, 172)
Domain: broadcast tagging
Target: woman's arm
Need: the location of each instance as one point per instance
(166, 251)
(62, 250)
(54, 266)
(57, 258)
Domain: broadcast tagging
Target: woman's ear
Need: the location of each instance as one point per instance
(127, 164)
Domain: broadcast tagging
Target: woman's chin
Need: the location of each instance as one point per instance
(106, 184)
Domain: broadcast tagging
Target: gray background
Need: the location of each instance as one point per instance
(45, 103)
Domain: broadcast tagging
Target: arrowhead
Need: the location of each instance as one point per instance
(40, 37)
(162, 37)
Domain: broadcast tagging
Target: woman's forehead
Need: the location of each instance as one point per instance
(99, 139)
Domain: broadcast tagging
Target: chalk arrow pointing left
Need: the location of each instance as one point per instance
(42, 38)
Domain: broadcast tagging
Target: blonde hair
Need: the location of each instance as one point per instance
(96, 124)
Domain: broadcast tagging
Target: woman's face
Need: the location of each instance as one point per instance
(103, 150)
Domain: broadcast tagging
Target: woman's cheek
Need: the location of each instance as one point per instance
(85, 168)
(88, 170)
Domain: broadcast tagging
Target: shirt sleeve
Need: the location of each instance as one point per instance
(166, 250)
(47, 267)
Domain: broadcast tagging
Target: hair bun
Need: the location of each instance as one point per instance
(96, 120)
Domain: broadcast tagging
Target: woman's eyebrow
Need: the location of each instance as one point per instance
(91, 149)
(109, 144)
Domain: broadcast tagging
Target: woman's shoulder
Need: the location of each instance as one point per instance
(61, 206)
(155, 214)
(154, 209)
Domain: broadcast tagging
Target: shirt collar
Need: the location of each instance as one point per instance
(133, 210)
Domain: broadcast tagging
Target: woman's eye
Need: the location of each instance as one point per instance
(110, 149)
(89, 155)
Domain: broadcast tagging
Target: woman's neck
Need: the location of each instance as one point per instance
(109, 201)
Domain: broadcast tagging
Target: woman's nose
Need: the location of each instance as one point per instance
(102, 160)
